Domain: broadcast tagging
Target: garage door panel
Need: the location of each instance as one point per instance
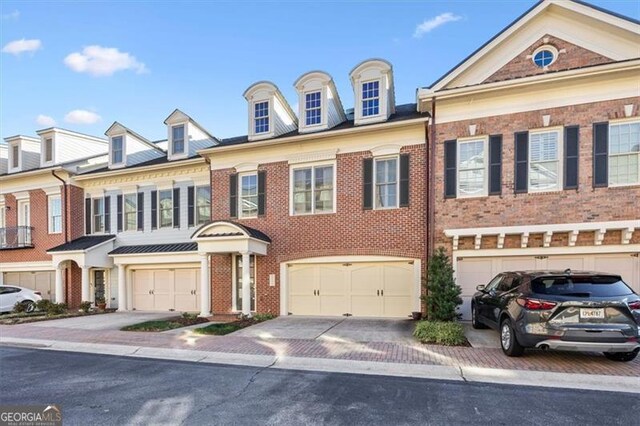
(365, 279)
(166, 289)
(527, 263)
(565, 262)
(42, 281)
(333, 305)
(398, 280)
(304, 305)
(186, 290)
(366, 306)
(624, 265)
(142, 286)
(331, 280)
(303, 280)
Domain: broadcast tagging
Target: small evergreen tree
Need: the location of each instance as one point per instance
(443, 294)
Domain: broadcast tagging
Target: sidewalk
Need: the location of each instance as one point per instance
(558, 369)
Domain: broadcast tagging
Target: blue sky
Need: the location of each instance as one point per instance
(201, 56)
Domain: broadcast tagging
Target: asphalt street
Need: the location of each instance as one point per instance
(110, 390)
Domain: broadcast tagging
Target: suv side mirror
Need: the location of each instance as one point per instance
(480, 287)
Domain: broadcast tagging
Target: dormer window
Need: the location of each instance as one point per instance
(371, 98)
(261, 117)
(116, 149)
(48, 150)
(313, 108)
(15, 156)
(177, 139)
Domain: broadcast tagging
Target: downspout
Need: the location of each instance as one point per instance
(64, 205)
(431, 181)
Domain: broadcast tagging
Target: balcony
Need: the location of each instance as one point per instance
(16, 237)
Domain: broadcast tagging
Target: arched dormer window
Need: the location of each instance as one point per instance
(319, 106)
(269, 112)
(372, 82)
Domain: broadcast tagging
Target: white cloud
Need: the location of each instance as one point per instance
(17, 47)
(11, 15)
(81, 116)
(103, 61)
(45, 120)
(433, 23)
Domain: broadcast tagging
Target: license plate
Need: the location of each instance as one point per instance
(592, 313)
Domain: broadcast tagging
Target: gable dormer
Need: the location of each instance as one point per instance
(58, 146)
(269, 112)
(127, 148)
(185, 136)
(23, 153)
(373, 90)
(319, 106)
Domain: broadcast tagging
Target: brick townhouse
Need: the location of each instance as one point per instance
(536, 141)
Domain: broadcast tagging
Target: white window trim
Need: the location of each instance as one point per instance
(560, 132)
(551, 49)
(485, 190)
(240, 176)
(11, 157)
(375, 182)
(269, 116)
(159, 211)
(124, 151)
(21, 204)
(124, 212)
(630, 120)
(313, 202)
(361, 99)
(234, 276)
(3, 223)
(50, 199)
(322, 122)
(195, 205)
(185, 151)
(93, 215)
(44, 151)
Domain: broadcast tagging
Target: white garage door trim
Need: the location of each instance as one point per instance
(284, 285)
(158, 268)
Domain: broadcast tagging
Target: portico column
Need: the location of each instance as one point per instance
(59, 287)
(205, 286)
(85, 284)
(122, 289)
(246, 284)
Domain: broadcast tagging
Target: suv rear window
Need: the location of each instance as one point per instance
(588, 286)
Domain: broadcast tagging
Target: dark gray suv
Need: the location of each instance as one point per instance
(565, 310)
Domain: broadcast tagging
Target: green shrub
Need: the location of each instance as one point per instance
(443, 294)
(19, 308)
(263, 317)
(51, 308)
(85, 307)
(189, 316)
(440, 333)
(43, 305)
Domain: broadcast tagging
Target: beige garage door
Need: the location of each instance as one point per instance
(472, 271)
(44, 282)
(359, 289)
(166, 289)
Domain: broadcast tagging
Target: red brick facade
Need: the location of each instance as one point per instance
(349, 231)
(570, 57)
(586, 204)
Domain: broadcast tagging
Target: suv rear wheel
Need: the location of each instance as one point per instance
(508, 341)
(474, 318)
(622, 356)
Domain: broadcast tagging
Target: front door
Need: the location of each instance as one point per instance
(99, 292)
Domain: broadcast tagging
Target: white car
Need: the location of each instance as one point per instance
(11, 294)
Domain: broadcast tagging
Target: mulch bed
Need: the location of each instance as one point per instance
(13, 319)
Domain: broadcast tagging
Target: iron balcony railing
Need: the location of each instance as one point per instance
(16, 237)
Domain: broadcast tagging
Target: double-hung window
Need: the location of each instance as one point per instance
(15, 156)
(624, 153)
(472, 170)
(313, 189)
(48, 150)
(203, 204)
(130, 212)
(261, 117)
(248, 195)
(98, 215)
(370, 98)
(313, 108)
(55, 214)
(386, 182)
(165, 208)
(177, 139)
(544, 161)
(116, 149)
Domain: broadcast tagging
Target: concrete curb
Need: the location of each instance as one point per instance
(437, 372)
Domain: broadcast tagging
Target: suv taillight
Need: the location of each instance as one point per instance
(635, 305)
(535, 304)
(38, 293)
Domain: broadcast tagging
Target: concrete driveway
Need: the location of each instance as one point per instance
(337, 329)
(112, 321)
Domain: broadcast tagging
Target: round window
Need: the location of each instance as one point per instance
(543, 58)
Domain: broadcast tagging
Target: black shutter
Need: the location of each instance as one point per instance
(495, 165)
(450, 168)
(107, 214)
(154, 209)
(140, 211)
(521, 162)
(404, 180)
(87, 216)
(233, 195)
(262, 189)
(191, 211)
(600, 155)
(119, 212)
(367, 183)
(571, 149)
(176, 207)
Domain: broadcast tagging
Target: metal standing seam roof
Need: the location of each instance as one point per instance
(82, 243)
(156, 248)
